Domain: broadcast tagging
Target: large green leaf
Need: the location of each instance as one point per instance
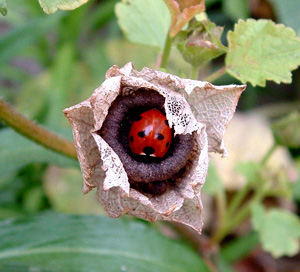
(51, 6)
(261, 50)
(67, 243)
(144, 21)
(17, 151)
(279, 230)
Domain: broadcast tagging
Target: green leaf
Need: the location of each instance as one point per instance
(288, 13)
(144, 21)
(201, 42)
(279, 230)
(236, 9)
(262, 50)
(72, 243)
(17, 151)
(59, 90)
(287, 130)
(3, 7)
(51, 6)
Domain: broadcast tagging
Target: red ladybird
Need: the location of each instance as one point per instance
(150, 134)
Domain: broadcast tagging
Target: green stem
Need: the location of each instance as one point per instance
(35, 132)
(166, 52)
(268, 154)
(234, 215)
(194, 74)
(221, 206)
(238, 199)
(231, 223)
(212, 77)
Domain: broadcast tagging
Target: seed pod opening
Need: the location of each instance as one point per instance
(143, 169)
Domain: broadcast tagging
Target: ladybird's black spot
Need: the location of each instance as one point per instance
(131, 139)
(160, 137)
(167, 123)
(137, 118)
(167, 144)
(148, 150)
(141, 134)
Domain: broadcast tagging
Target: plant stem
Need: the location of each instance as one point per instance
(35, 132)
(231, 223)
(194, 74)
(166, 52)
(221, 206)
(268, 154)
(234, 215)
(212, 77)
(237, 200)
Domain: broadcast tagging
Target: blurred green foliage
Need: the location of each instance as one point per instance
(49, 62)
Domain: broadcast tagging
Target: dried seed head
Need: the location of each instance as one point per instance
(115, 131)
(198, 113)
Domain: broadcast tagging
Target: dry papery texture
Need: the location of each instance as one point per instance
(190, 106)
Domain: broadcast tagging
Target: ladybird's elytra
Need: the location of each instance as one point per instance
(150, 134)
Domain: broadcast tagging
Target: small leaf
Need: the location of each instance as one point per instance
(51, 6)
(3, 7)
(261, 50)
(182, 12)
(287, 130)
(69, 243)
(201, 42)
(279, 230)
(17, 151)
(144, 21)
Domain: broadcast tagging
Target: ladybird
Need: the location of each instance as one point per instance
(150, 134)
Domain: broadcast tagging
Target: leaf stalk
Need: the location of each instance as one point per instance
(35, 132)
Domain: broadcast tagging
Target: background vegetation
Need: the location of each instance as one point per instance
(50, 62)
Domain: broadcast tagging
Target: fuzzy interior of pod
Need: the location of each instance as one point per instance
(148, 174)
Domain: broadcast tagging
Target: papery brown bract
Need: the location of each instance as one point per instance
(190, 106)
(182, 12)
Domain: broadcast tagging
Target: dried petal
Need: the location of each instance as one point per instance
(182, 12)
(104, 169)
